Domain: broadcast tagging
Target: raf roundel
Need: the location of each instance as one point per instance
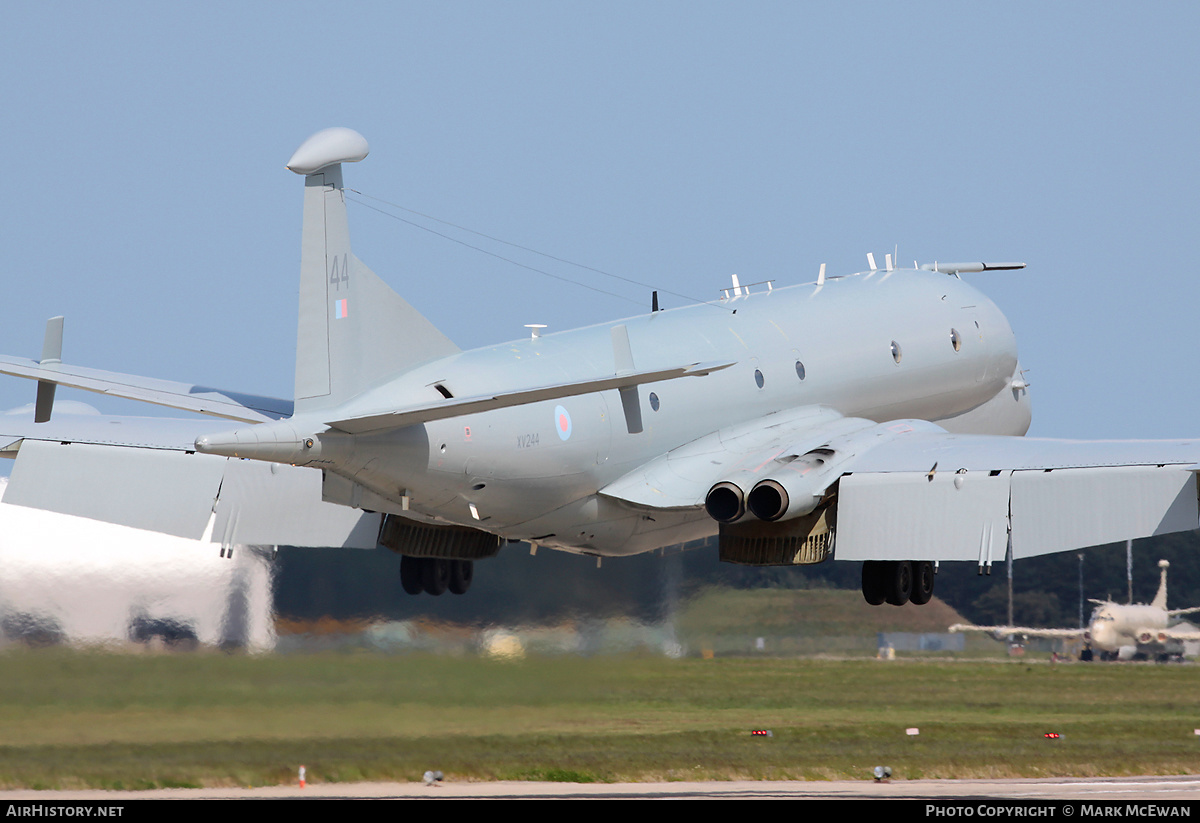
(562, 422)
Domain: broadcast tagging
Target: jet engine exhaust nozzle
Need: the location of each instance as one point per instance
(725, 502)
(768, 500)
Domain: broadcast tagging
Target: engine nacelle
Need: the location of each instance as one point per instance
(785, 484)
(795, 489)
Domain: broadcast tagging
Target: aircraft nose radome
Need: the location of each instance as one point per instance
(326, 148)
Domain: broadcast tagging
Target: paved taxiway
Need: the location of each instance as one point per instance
(1096, 790)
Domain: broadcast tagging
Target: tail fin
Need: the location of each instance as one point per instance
(354, 331)
(1160, 599)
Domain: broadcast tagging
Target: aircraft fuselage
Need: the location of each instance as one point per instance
(1115, 626)
(881, 346)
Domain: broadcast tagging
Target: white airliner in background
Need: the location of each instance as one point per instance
(872, 417)
(1118, 630)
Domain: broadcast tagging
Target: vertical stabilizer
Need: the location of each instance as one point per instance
(354, 331)
(1160, 599)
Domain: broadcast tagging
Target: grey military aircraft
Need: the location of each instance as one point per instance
(1118, 630)
(873, 417)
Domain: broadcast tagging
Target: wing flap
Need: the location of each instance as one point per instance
(275, 504)
(1072, 508)
(910, 515)
(964, 514)
(183, 494)
(162, 491)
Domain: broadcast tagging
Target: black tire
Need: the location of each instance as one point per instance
(899, 582)
(874, 582)
(435, 575)
(922, 582)
(410, 574)
(462, 572)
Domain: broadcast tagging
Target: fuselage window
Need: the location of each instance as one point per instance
(654, 401)
(955, 340)
(799, 369)
(896, 352)
(758, 378)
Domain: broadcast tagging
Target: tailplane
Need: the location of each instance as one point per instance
(354, 331)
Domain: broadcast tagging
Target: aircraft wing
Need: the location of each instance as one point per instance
(455, 407)
(1004, 631)
(185, 396)
(145, 473)
(908, 489)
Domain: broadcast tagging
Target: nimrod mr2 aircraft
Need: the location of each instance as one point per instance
(1118, 630)
(872, 417)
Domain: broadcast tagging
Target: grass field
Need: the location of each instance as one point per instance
(75, 719)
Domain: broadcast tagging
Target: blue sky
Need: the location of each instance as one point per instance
(670, 143)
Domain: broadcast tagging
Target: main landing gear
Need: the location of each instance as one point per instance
(897, 582)
(434, 575)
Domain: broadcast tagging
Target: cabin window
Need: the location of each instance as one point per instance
(758, 378)
(799, 369)
(896, 351)
(955, 339)
(654, 401)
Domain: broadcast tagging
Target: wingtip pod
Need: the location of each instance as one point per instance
(328, 147)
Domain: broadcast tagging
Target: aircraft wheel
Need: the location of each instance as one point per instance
(410, 574)
(899, 582)
(874, 582)
(435, 575)
(461, 574)
(922, 582)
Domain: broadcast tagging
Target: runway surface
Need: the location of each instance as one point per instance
(1095, 790)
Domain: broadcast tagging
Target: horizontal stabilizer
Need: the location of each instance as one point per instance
(188, 397)
(362, 424)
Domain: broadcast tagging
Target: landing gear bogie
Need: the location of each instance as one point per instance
(922, 582)
(410, 574)
(897, 582)
(874, 586)
(434, 575)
